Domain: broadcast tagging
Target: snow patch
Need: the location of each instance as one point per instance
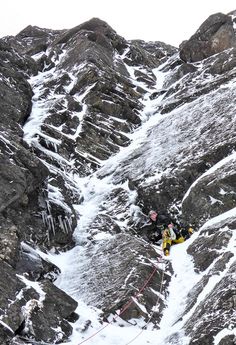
(212, 170)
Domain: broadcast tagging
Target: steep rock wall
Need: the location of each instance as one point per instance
(113, 128)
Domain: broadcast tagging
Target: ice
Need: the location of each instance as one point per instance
(154, 144)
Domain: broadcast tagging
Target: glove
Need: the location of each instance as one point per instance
(166, 235)
(190, 231)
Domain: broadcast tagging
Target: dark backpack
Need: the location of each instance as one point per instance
(177, 232)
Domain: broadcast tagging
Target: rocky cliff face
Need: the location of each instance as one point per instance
(95, 131)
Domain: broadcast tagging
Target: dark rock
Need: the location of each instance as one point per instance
(202, 329)
(48, 321)
(34, 40)
(222, 62)
(9, 245)
(214, 35)
(31, 265)
(208, 247)
(181, 71)
(150, 54)
(43, 319)
(228, 340)
(60, 303)
(6, 333)
(109, 298)
(106, 223)
(11, 289)
(211, 196)
(16, 95)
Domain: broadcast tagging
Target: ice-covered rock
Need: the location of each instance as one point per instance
(96, 131)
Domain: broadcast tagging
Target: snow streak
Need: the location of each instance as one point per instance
(95, 190)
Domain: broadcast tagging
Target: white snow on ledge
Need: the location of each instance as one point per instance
(210, 171)
(227, 215)
(34, 285)
(6, 326)
(223, 333)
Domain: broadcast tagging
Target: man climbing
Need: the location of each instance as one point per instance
(157, 223)
(153, 227)
(161, 227)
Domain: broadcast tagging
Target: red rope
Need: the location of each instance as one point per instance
(133, 339)
(141, 290)
(125, 306)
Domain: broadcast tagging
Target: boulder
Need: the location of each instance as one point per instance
(47, 320)
(31, 265)
(214, 35)
(140, 270)
(212, 194)
(38, 311)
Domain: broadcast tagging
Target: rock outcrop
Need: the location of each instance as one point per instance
(215, 35)
(96, 130)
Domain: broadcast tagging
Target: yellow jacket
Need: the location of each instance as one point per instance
(169, 234)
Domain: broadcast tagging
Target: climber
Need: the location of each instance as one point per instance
(157, 223)
(158, 219)
(161, 227)
(168, 237)
(172, 235)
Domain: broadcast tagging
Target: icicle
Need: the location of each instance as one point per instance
(48, 220)
(61, 222)
(55, 147)
(69, 222)
(44, 217)
(51, 224)
(65, 225)
(48, 236)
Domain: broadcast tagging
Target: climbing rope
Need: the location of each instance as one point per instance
(126, 306)
(149, 320)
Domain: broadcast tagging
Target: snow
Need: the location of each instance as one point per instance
(223, 333)
(222, 192)
(156, 147)
(214, 200)
(6, 326)
(212, 170)
(34, 285)
(227, 215)
(40, 106)
(183, 279)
